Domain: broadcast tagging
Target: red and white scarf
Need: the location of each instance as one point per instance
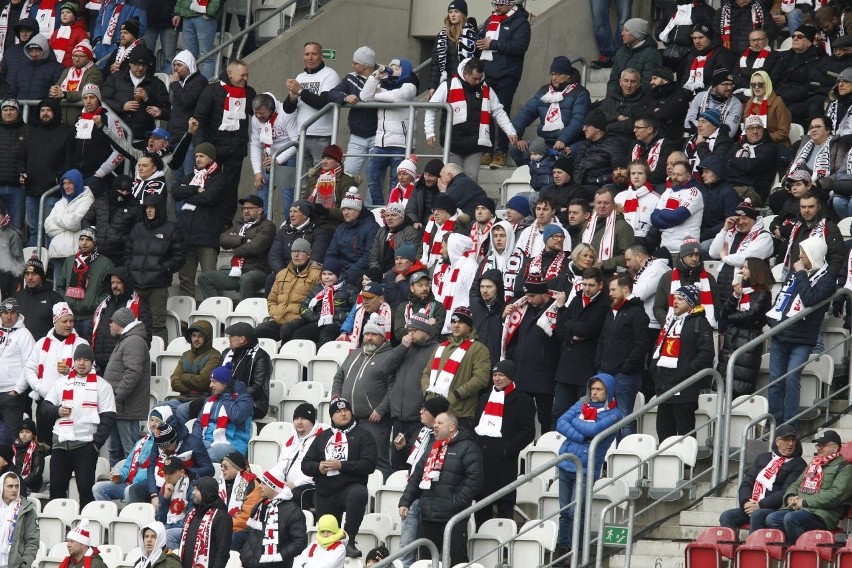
(479, 235)
(681, 17)
(759, 61)
(46, 18)
(325, 190)
(123, 52)
(199, 177)
(815, 472)
(819, 230)
(235, 107)
(456, 99)
(201, 550)
(199, 6)
(159, 474)
(491, 421)
(135, 464)
(401, 194)
(630, 209)
(60, 42)
(337, 447)
(760, 109)
(239, 491)
(744, 303)
(112, 25)
(73, 80)
(788, 5)
(326, 297)
(756, 21)
(653, 153)
(512, 323)
(555, 268)
(492, 30)
(178, 502)
(85, 395)
(25, 466)
(80, 274)
(133, 303)
(67, 345)
(589, 413)
(703, 287)
(766, 478)
(435, 462)
(440, 381)
(667, 350)
(238, 261)
(553, 116)
(385, 313)
(265, 519)
(221, 420)
(419, 446)
(433, 236)
(607, 244)
(267, 131)
(87, 559)
(695, 81)
(85, 125)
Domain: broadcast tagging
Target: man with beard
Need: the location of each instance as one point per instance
(652, 146)
(45, 154)
(420, 300)
(83, 280)
(340, 460)
(706, 56)
(16, 345)
(607, 232)
(185, 89)
(711, 138)
(531, 347)
(365, 378)
(564, 189)
(670, 102)
(646, 273)
(579, 213)
(113, 215)
(373, 302)
(136, 95)
(813, 222)
(680, 207)
(530, 243)
(83, 71)
(396, 233)
(720, 97)
(621, 107)
(484, 217)
(191, 377)
(294, 450)
(299, 224)
(752, 163)
(121, 296)
(36, 299)
(396, 281)
(207, 530)
(688, 271)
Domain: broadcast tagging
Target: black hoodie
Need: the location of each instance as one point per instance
(113, 215)
(154, 249)
(488, 316)
(220, 533)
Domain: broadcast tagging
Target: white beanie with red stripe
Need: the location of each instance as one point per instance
(80, 533)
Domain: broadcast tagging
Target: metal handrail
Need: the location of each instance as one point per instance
(725, 417)
(481, 504)
(754, 421)
(410, 547)
(596, 441)
(41, 201)
(628, 551)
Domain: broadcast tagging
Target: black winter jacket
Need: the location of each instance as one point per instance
(696, 353)
(742, 327)
(577, 359)
(114, 215)
(359, 464)
(253, 247)
(460, 481)
(500, 455)
(742, 76)
(292, 535)
(200, 226)
(221, 531)
(154, 251)
(118, 90)
(488, 317)
(535, 353)
(806, 330)
(159, 13)
(230, 144)
(790, 74)
(742, 26)
(184, 98)
(682, 35)
(103, 341)
(718, 58)
(789, 472)
(757, 172)
(670, 106)
(617, 103)
(363, 122)
(253, 366)
(419, 206)
(344, 298)
(37, 308)
(279, 254)
(837, 252)
(627, 328)
(593, 159)
(12, 139)
(47, 153)
(510, 49)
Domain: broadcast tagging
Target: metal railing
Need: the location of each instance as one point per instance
(412, 547)
(335, 109)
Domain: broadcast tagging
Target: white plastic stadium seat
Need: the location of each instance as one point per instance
(486, 541)
(669, 468)
(535, 540)
(629, 452)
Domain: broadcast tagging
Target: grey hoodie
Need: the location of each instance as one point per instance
(40, 41)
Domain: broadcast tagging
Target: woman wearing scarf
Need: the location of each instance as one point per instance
(153, 550)
(766, 104)
(206, 538)
(454, 43)
(329, 551)
(809, 282)
(744, 314)
(277, 530)
(29, 456)
(505, 418)
(63, 223)
(820, 152)
(19, 531)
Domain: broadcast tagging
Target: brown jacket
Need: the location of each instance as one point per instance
(288, 291)
(778, 118)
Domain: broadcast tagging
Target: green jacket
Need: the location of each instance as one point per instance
(828, 502)
(97, 290)
(168, 559)
(471, 378)
(183, 10)
(25, 538)
(191, 376)
(97, 562)
(644, 58)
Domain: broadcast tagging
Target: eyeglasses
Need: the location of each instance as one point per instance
(250, 207)
(640, 127)
(758, 40)
(757, 85)
(798, 36)
(816, 126)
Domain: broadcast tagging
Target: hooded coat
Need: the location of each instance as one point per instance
(154, 250)
(488, 316)
(406, 394)
(33, 79)
(25, 535)
(103, 341)
(184, 95)
(63, 223)
(791, 74)
(46, 152)
(393, 123)
(118, 89)
(366, 380)
(220, 533)
(192, 373)
(742, 327)
(161, 556)
(578, 328)
(253, 366)
(778, 117)
(129, 372)
(12, 138)
(579, 430)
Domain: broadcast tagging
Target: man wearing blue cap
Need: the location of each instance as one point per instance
(224, 423)
(712, 138)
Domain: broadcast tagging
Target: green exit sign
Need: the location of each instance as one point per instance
(615, 536)
(329, 54)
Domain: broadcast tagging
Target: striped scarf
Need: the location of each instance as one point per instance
(435, 463)
(45, 349)
(695, 82)
(492, 30)
(761, 110)
(326, 297)
(440, 381)
(221, 420)
(201, 550)
(822, 161)
(667, 351)
(630, 209)
(132, 303)
(766, 478)
(759, 61)
(744, 303)
(25, 466)
(653, 153)
(813, 477)
(491, 421)
(607, 243)
(703, 287)
(757, 19)
(819, 230)
(87, 402)
(433, 237)
(456, 99)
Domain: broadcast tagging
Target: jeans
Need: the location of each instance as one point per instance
(198, 35)
(168, 39)
(795, 19)
(733, 518)
(609, 43)
(568, 481)
(408, 532)
(842, 205)
(784, 395)
(215, 282)
(32, 203)
(353, 165)
(173, 538)
(109, 491)
(15, 199)
(123, 437)
(626, 387)
(793, 523)
(376, 170)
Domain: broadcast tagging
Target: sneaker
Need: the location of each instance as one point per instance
(352, 552)
(498, 161)
(603, 62)
(486, 159)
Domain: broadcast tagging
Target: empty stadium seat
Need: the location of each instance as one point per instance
(744, 409)
(306, 391)
(712, 546)
(761, 548)
(265, 448)
(536, 541)
(387, 496)
(607, 491)
(292, 359)
(374, 530)
(277, 395)
(100, 515)
(812, 549)
(251, 310)
(56, 518)
(622, 461)
(160, 387)
(845, 226)
(669, 469)
(183, 306)
(484, 545)
(704, 425)
(215, 310)
(328, 359)
(528, 496)
(124, 531)
(816, 381)
(844, 555)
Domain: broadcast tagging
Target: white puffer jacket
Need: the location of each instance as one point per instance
(393, 123)
(63, 224)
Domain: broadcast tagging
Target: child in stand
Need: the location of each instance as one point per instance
(72, 30)
(541, 164)
(329, 550)
(29, 457)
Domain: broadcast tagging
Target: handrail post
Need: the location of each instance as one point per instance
(409, 133)
(313, 11)
(414, 545)
(756, 420)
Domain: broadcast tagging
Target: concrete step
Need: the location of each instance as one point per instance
(717, 504)
(652, 561)
(699, 518)
(675, 532)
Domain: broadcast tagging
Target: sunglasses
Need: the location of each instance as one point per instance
(757, 85)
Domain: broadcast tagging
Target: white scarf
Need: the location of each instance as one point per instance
(235, 108)
(439, 382)
(385, 313)
(553, 117)
(492, 31)
(82, 398)
(767, 476)
(179, 502)
(491, 421)
(681, 17)
(653, 153)
(630, 208)
(326, 296)
(239, 491)
(8, 522)
(238, 261)
(606, 248)
(419, 447)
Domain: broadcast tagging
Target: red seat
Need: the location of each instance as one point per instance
(711, 546)
(761, 548)
(844, 556)
(811, 550)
